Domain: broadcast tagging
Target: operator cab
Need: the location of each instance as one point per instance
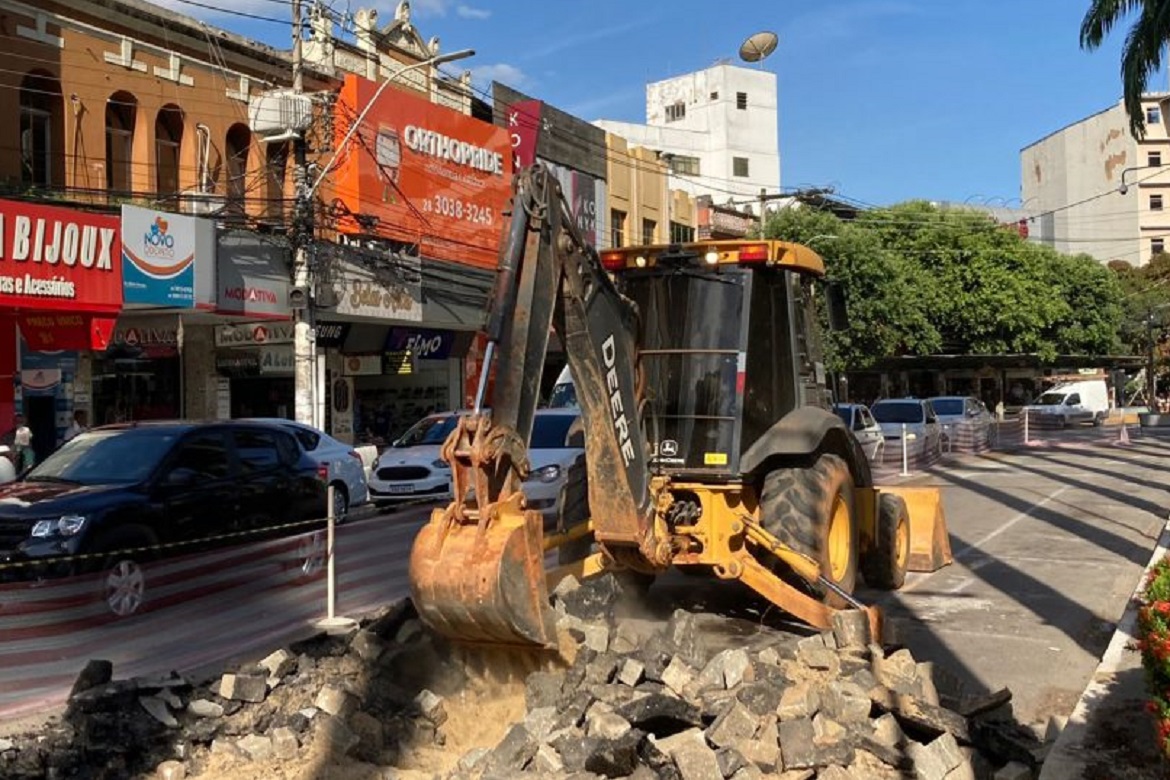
(729, 345)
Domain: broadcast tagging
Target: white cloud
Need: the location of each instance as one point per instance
(501, 72)
(426, 8)
(469, 12)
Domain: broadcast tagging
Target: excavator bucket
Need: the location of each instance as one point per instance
(483, 585)
(930, 543)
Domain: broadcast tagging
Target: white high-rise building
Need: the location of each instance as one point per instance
(716, 128)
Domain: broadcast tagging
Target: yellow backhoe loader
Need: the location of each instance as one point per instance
(708, 441)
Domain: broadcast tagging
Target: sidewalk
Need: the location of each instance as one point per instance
(1109, 735)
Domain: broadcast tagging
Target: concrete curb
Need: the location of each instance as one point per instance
(1066, 759)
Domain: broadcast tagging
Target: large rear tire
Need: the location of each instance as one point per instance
(574, 510)
(812, 511)
(884, 566)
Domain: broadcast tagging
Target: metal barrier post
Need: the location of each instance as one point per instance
(905, 457)
(1026, 441)
(332, 624)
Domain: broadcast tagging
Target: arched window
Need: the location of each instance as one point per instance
(168, 143)
(239, 141)
(121, 113)
(41, 132)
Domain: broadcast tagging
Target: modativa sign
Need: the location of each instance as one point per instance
(250, 334)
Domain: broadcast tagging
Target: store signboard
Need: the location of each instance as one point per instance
(420, 343)
(249, 334)
(252, 275)
(385, 294)
(362, 365)
(331, 334)
(159, 257)
(58, 330)
(276, 360)
(436, 178)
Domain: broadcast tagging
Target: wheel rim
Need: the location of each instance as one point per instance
(840, 541)
(340, 505)
(902, 543)
(125, 588)
(312, 554)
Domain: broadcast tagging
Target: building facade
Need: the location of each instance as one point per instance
(717, 129)
(1097, 190)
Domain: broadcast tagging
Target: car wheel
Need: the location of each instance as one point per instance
(340, 503)
(311, 554)
(122, 577)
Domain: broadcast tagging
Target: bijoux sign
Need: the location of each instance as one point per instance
(58, 258)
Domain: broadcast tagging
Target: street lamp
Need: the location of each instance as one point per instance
(1123, 187)
(437, 60)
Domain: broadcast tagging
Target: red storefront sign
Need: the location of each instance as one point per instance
(60, 271)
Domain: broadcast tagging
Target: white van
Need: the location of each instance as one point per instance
(1074, 402)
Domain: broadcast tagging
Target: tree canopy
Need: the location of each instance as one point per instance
(920, 279)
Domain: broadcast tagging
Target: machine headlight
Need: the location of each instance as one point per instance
(67, 525)
(545, 474)
(440, 464)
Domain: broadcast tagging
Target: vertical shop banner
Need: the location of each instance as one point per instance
(584, 200)
(430, 176)
(158, 257)
(58, 258)
(524, 130)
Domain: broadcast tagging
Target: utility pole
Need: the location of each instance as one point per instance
(301, 234)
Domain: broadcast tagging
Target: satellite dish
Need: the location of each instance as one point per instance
(758, 46)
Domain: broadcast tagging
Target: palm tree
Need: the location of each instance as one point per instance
(1142, 54)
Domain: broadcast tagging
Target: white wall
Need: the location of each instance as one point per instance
(714, 129)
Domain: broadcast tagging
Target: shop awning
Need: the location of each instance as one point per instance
(47, 331)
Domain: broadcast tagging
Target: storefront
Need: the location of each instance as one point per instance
(254, 361)
(139, 376)
(61, 289)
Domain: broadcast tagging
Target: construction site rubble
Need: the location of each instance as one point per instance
(626, 698)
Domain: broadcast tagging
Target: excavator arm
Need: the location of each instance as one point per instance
(477, 566)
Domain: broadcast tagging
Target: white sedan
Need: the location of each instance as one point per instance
(411, 469)
(341, 465)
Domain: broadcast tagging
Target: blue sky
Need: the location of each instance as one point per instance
(885, 100)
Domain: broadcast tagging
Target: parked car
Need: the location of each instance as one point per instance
(410, 468)
(914, 416)
(345, 470)
(171, 487)
(866, 430)
(1073, 403)
(966, 421)
(7, 467)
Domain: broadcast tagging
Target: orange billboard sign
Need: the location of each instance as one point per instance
(428, 174)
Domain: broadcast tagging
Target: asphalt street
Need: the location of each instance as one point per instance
(1049, 543)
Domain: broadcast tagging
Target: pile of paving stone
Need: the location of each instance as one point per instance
(630, 698)
(830, 705)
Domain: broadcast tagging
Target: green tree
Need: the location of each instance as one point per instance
(920, 279)
(1141, 55)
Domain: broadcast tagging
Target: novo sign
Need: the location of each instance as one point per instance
(444, 147)
(58, 258)
(158, 257)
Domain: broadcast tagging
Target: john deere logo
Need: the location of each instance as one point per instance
(668, 448)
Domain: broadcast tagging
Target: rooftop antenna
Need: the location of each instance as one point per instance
(757, 47)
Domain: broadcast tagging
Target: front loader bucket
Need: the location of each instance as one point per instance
(483, 586)
(930, 544)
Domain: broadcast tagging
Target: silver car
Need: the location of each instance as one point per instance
(965, 421)
(913, 416)
(866, 430)
(340, 463)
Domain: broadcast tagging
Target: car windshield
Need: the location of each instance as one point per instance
(1051, 399)
(429, 430)
(106, 457)
(897, 412)
(845, 413)
(563, 396)
(948, 406)
(550, 431)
